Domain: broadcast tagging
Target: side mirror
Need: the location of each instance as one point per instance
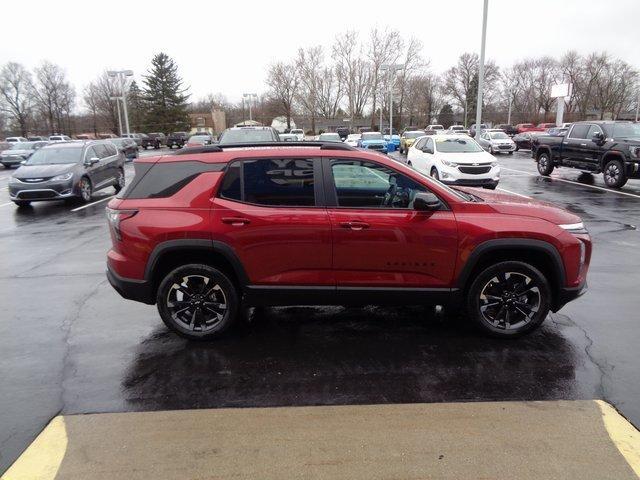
(598, 137)
(92, 161)
(426, 201)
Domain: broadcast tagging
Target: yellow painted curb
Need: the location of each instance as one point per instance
(623, 434)
(44, 456)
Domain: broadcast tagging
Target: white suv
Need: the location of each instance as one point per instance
(299, 133)
(454, 159)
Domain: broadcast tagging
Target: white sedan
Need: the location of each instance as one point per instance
(352, 139)
(454, 159)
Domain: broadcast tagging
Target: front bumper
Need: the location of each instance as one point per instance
(42, 191)
(11, 160)
(453, 175)
(376, 148)
(137, 290)
(566, 295)
(504, 148)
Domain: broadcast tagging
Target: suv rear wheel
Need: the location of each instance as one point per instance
(197, 302)
(509, 299)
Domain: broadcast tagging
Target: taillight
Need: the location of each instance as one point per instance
(116, 217)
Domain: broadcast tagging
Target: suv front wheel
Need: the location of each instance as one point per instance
(197, 302)
(509, 299)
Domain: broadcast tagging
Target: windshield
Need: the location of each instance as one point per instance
(457, 145)
(297, 130)
(456, 127)
(437, 127)
(624, 130)
(23, 146)
(55, 156)
(354, 136)
(499, 135)
(372, 136)
(246, 136)
(413, 134)
(199, 138)
(329, 137)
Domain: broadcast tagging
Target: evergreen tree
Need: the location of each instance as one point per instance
(136, 108)
(445, 117)
(164, 96)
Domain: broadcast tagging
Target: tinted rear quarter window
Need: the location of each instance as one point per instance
(164, 179)
(579, 131)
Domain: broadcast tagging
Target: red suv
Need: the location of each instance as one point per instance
(206, 230)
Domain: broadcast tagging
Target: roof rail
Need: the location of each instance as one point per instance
(220, 148)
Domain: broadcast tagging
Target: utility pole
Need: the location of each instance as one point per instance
(481, 69)
(250, 96)
(391, 69)
(638, 105)
(122, 75)
(509, 114)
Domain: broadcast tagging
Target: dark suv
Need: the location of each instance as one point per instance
(153, 140)
(63, 171)
(202, 232)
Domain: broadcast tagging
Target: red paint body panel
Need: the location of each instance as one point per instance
(398, 248)
(304, 246)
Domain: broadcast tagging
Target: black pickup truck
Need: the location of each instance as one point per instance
(611, 148)
(177, 139)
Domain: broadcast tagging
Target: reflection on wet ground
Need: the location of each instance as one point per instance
(332, 355)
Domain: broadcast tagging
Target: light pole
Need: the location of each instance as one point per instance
(391, 68)
(481, 69)
(509, 113)
(117, 99)
(249, 96)
(121, 76)
(638, 105)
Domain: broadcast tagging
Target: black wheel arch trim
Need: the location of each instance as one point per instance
(505, 244)
(196, 244)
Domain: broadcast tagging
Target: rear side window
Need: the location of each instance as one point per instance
(579, 131)
(271, 182)
(164, 179)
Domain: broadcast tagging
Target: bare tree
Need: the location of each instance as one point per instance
(354, 72)
(330, 92)
(54, 96)
(97, 96)
(384, 48)
(309, 67)
(16, 94)
(282, 80)
(459, 81)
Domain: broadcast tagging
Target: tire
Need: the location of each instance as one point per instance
(503, 282)
(120, 181)
(86, 189)
(22, 203)
(511, 152)
(517, 148)
(614, 174)
(434, 173)
(491, 151)
(176, 310)
(545, 165)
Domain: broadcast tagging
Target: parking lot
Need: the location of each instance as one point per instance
(71, 345)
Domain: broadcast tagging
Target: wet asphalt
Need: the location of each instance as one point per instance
(71, 345)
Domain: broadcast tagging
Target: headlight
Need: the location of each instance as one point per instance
(494, 164)
(448, 163)
(575, 228)
(63, 177)
(635, 152)
(14, 180)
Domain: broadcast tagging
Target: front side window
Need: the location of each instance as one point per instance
(271, 182)
(593, 129)
(361, 184)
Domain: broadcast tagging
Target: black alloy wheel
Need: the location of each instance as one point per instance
(509, 299)
(197, 302)
(545, 165)
(86, 190)
(614, 174)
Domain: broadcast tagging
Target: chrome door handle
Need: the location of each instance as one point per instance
(354, 225)
(583, 144)
(236, 221)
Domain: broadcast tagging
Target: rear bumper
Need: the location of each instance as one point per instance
(138, 290)
(567, 295)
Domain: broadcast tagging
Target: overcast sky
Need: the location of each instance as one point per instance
(225, 46)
